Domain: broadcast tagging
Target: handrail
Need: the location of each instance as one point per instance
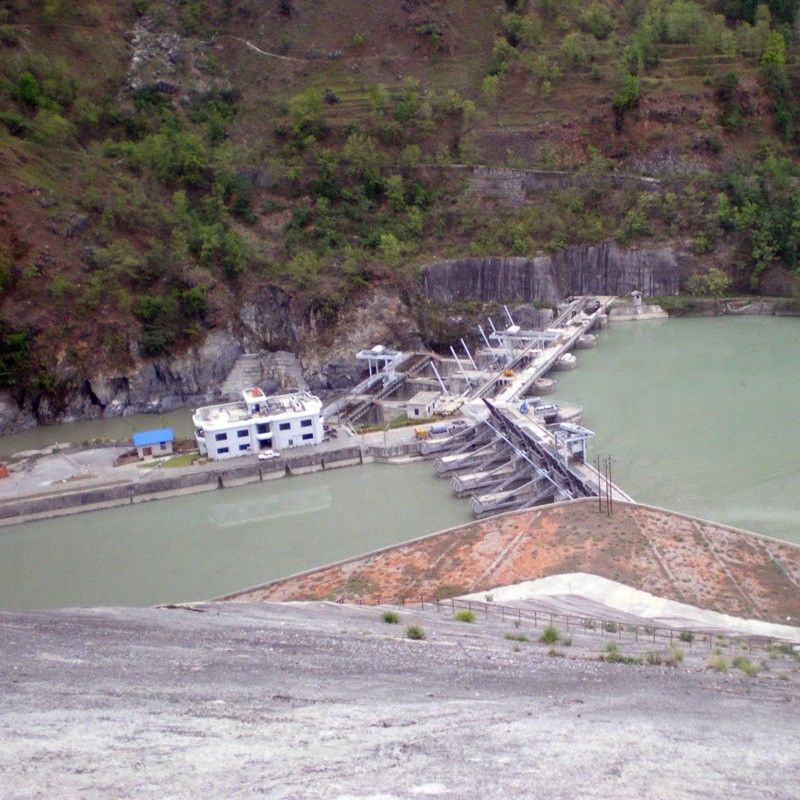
(675, 635)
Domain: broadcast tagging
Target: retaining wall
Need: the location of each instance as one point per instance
(210, 478)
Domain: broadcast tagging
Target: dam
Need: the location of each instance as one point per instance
(671, 448)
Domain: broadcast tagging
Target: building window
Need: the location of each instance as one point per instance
(242, 434)
(262, 427)
(308, 436)
(265, 444)
(221, 437)
(222, 450)
(163, 445)
(305, 423)
(285, 426)
(244, 446)
(416, 412)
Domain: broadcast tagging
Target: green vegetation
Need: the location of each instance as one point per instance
(746, 666)
(717, 663)
(613, 655)
(516, 637)
(391, 617)
(673, 657)
(156, 193)
(415, 632)
(464, 615)
(182, 460)
(550, 635)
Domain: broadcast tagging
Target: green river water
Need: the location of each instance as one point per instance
(699, 416)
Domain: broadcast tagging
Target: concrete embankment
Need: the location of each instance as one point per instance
(209, 477)
(670, 555)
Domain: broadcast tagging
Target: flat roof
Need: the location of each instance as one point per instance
(274, 407)
(145, 438)
(423, 398)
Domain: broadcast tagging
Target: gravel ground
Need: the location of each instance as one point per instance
(326, 701)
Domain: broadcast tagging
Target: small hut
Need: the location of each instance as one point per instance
(152, 444)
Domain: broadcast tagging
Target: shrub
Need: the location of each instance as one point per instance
(415, 632)
(653, 658)
(718, 663)
(392, 617)
(8, 36)
(745, 665)
(610, 627)
(614, 656)
(597, 20)
(714, 283)
(465, 615)
(686, 636)
(16, 124)
(674, 656)
(517, 637)
(550, 635)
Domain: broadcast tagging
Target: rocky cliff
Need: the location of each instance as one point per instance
(276, 345)
(588, 269)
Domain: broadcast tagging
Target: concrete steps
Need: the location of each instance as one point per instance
(246, 372)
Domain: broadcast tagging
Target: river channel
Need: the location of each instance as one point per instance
(698, 415)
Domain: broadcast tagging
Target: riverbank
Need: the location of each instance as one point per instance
(687, 306)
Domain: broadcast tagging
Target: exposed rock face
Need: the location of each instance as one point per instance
(279, 347)
(280, 343)
(12, 417)
(586, 269)
(380, 316)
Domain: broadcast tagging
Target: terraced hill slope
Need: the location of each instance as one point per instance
(171, 169)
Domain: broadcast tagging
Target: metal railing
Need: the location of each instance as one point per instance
(605, 627)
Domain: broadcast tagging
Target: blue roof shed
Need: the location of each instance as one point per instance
(147, 438)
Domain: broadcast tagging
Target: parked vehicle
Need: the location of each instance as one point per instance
(268, 455)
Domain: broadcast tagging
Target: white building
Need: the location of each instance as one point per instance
(258, 423)
(422, 405)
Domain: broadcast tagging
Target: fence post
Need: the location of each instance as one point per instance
(422, 602)
(535, 620)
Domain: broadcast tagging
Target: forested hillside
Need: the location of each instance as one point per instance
(161, 161)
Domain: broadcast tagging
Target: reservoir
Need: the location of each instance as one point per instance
(202, 546)
(699, 416)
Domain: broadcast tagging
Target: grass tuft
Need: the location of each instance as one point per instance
(550, 635)
(718, 663)
(517, 637)
(416, 632)
(465, 615)
(392, 617)
(746, 666)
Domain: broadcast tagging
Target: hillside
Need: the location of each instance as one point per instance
(165, 164)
